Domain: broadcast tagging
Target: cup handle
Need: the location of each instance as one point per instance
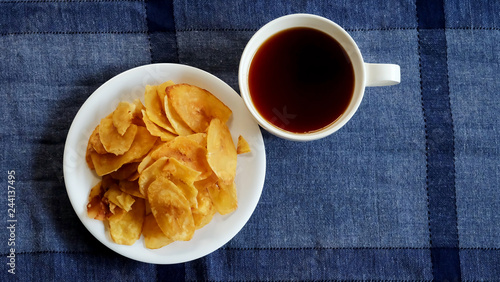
(382, 74)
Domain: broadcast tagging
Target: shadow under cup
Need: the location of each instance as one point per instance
(320, 56)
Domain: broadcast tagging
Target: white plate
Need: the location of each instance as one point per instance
(126, 87)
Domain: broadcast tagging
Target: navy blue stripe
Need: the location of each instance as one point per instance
(440, 141)
(161, 30)
(430, 14)
(160, 15)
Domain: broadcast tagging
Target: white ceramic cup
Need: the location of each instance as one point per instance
(365, 74)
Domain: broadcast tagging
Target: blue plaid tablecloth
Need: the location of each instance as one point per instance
(408, 190)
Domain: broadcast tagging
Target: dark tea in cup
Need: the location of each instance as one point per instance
(301, 80)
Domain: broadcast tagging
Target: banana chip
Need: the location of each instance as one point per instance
(242, 147)
(187, 152)
(130, 188)
(118, 198)
(122, 116)
(113, 141)
(126, 228)
(221, 153)
(196, 106)
(107, 163)
(96, 143)
(125, 172)
(205, 211)
(171, 210)
(223, 197)
(150, 174)
(154, 108)
(156, 130)
(154, 238)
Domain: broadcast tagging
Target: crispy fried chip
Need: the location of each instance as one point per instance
(180, 171)
(200, 138)
(119, 198)
(196, 106)
(221, 153)
(156, 130)
(175, 120)
(113, 141)
(171, 210)
(160, 89)
(154, 108)
(184, 178)
(145, 163)
(108, 163)
(134, 176)
(96, 209)
(122, 116)
(95, 141)
(223, 197)
(186, 151)
(150, 174)
(154, 238)
(205, 211)
(137, 114)
(131, 188)
(126, 229)
(125, 172)
(88, 157)
(242, 146)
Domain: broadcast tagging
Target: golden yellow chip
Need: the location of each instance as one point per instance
(183, 177)
(221, 155)
(196, 106)
(95, 141)
(154, 238)
(204, 183)
(125, 172)
(139, 106)
(88, 157)
(156, 130)
(137, 114)
(154, 108)
(112, 141)
(186, 151)
(122, 116)
(171, 210)
(131, 188)
(180, 171)
(96, 208)
(200, 138)
(223, 197)
(108, 163)
(126, 229)
(148, 160)
(145, 163)
(160, 89)
(119, 198)
(242, 146)
(173, 117)
(205, 211)
(150, 174)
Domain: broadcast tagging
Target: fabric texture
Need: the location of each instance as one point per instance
(408, 190)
